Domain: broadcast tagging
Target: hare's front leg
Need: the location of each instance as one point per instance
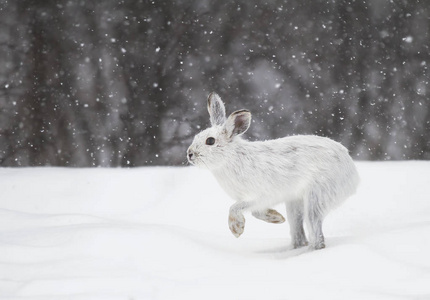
(236, 220)
(269, 216)
(295, 219)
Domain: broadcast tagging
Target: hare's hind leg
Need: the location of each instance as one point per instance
(295, 219)
(314, 218)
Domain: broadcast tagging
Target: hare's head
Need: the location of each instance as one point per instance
(211, 147)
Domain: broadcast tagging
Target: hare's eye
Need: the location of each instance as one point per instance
(210, 141)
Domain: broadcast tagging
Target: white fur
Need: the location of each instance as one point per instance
(311, 174)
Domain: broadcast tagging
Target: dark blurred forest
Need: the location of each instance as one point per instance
(124, 83)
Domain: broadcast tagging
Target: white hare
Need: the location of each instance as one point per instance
(310, 174)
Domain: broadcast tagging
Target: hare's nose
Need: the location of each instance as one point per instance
(190, 154)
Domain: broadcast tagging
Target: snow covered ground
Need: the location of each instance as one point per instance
(161, 233)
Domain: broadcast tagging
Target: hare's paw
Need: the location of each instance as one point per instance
(318, 245)
(270, 216)
(236, 223)
(299, 243)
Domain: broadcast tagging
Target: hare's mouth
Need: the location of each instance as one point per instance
(195, 160)
(193, 156)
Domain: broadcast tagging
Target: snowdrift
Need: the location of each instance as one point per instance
(161, 233)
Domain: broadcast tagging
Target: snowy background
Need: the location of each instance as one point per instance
(161, 233)
(124, 83)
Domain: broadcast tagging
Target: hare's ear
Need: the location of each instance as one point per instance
(238, 122)
(216, 109)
